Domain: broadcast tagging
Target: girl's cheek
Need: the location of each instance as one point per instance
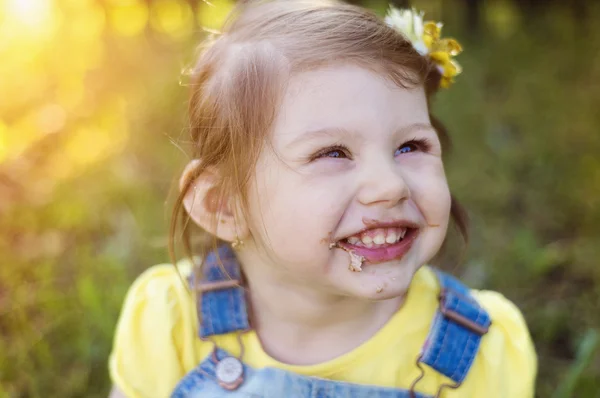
(429, 188)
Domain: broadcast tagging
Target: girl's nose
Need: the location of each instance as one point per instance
(383, 184)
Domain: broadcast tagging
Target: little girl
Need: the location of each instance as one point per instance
(318, 172)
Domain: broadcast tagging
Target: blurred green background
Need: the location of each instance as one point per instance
(92, 131)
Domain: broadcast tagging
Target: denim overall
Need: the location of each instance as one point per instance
(450, 347)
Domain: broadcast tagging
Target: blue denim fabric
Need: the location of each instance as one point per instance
(222, 311)
(450, 348)
(276, 383)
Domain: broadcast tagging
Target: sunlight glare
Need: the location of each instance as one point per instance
(29, 12)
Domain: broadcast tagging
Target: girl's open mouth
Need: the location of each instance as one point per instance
(381, 244)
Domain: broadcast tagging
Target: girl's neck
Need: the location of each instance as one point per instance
(300, 326)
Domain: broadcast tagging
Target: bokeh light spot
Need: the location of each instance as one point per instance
(212, 15)
(29, 12)
(172, 17)
(23, 21)
(88, 23)
(503, 18)
(128, 18)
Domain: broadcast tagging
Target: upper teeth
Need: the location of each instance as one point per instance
(376, 237)
(391, 237)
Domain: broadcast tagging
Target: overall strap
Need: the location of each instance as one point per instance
(221, 302)
(456, 332)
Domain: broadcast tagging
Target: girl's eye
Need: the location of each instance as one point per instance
(406, 148)
(413, 146)
(336, 152)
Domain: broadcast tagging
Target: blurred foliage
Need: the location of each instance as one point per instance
(92, 114)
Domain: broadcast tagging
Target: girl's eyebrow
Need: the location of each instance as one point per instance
(337, 132)
(411, 128)
(325, 132)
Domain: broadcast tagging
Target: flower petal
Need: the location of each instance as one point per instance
(450, 46)
(440, 57)
(457, 67)
(418, 28)
(446, 82)
(432, 29)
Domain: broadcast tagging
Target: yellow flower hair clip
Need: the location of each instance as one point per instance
(426, 39)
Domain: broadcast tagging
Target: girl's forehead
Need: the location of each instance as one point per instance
(346, 98)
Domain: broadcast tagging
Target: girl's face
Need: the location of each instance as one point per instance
(353, 161)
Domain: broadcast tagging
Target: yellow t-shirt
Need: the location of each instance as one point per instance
(156, 344)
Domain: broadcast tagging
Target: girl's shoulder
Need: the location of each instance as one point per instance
(508, 336)
(506, 349)
(503, 312)
(155, 338)
(161, 282)
(160, 294)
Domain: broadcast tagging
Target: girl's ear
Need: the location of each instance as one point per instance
(219, 216)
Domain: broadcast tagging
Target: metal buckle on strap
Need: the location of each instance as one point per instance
(460, 319)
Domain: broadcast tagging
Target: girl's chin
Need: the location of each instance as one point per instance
(375, 282)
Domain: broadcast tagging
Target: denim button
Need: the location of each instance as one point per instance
(229, 372)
